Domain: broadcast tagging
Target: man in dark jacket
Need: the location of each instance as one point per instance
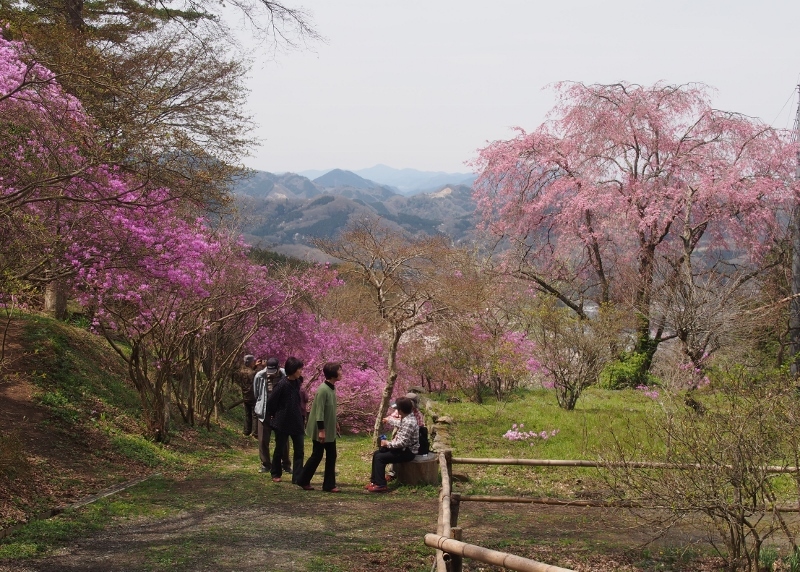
(243, 377)
(264, 383)
(283, 410)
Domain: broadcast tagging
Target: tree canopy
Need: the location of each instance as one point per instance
(628, 191)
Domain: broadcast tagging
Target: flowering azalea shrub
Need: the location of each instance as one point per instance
(517, 433)
(179, 301)
(648, 391)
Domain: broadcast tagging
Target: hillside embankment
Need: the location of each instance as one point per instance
(66, 416)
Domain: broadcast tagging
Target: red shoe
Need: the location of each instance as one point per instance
(368, 486)
(390, 478)
(334, 490)
(378, 489)
(307, 487)
(276, 479)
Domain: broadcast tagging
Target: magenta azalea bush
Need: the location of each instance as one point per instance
(179, 300)
(648, 391)
(517, 433)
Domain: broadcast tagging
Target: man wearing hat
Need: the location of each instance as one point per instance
(243, 377)
(263, 384)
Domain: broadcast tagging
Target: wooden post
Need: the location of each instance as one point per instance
(455, 504)
(456, 560)
(794, 305)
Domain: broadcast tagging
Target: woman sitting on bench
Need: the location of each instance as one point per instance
(401, 449)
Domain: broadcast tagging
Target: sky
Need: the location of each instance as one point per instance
(423, 84)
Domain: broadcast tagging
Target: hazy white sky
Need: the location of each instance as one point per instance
(424, 83)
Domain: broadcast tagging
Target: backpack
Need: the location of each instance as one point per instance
(424, 442)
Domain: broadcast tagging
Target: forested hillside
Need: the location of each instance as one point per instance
(287, 212)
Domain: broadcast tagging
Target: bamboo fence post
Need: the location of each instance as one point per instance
(456, 561)
(443, 528)
(455, 505)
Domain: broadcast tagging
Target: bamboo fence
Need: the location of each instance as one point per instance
(450, 550)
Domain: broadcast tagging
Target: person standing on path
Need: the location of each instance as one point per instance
(322, 428)
(283, 409)
(243, 377)
(263, 384)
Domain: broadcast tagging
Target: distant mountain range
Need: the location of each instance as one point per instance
(404, 181)
(284, 212)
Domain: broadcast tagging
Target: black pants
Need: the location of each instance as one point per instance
(264, 434)
(383, 457)
(248, 417)
(329, 478)
(281, 442)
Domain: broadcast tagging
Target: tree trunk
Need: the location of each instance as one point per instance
(424, 471)
(391, 362)
(55, 299)
(73, 11)
(794, 305)
(646, 345)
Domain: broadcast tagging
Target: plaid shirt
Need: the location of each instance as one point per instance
(407, 436)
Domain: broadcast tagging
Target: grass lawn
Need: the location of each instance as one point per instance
(584, 433)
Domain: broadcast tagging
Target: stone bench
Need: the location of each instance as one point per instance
(422, 470)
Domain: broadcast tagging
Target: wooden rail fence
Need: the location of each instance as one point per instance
(450, 550)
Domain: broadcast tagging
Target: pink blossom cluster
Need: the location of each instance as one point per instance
(648, 391)
(697, 377)
(516, 433)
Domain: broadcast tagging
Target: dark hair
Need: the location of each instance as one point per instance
(292, 365)
(330, 369)
(405, 405)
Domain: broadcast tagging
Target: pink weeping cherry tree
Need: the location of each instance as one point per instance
(628, 191)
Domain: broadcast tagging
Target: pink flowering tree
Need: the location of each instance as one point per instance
(626, 189)
(45, 133)
(483, 353)
(184, 301)
(54, 182)
(42, 136)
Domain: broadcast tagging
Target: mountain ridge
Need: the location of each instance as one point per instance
(285, 212)
(405, 181)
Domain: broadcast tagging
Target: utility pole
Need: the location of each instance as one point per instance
(794, 307)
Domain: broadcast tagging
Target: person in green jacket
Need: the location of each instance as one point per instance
(322, 428)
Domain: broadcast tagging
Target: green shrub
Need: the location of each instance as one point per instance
(767, 557)
(626, 372)
(793, 561)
